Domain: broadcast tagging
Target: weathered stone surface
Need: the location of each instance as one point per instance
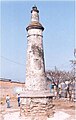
(35, 68)
(37, 106)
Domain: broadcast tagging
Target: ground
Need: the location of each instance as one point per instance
(62, 110)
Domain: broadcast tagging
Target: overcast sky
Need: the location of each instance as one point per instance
(58, 37)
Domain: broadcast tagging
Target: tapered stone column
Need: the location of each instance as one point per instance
(35, 68)
(36, 99)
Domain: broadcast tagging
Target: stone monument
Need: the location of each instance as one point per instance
(36, 100)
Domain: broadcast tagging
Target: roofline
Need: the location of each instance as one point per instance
(9, 80)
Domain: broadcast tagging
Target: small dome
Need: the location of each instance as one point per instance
(35, 25)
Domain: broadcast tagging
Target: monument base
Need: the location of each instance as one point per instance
(36, 106)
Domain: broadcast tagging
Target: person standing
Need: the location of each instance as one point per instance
(8, 101)
(50, 87)
(18, 100)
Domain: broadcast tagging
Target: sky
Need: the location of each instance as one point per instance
(58, 19)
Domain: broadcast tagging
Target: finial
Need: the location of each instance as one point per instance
(34, 8)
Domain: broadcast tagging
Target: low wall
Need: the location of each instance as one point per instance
(11, 88)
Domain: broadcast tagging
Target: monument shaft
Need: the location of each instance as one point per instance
(35, 67)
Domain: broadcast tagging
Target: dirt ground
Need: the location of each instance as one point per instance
(66, 106)
(58, 105)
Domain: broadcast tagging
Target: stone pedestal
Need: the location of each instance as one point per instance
(36, 105)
